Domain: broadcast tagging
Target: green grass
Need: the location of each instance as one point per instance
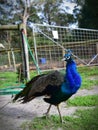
(89, 100)
(10, 78)
(90, 71)
(87, 83)
(7, 79)
(81, 120)
(87, 73)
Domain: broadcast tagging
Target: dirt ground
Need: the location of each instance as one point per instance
(12, 115)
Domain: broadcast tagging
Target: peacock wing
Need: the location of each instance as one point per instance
(26, 90)
(54, 78)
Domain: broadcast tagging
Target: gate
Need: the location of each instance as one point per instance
(51, 42)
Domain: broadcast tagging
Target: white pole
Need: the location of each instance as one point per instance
(13, 56)
(26, 59)
(35, 49)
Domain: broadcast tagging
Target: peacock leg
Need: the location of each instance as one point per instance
(48, 110)
(59, 113)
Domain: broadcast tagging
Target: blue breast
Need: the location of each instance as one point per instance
(72, 79)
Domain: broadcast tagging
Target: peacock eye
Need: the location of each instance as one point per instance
(68, 57)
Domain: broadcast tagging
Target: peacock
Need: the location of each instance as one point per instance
(54, 86)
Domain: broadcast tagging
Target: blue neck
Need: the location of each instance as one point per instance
(72, 78)
(71, 68)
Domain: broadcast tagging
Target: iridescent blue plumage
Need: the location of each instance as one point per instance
(72, 78)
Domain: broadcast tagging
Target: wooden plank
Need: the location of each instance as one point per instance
(9, 27)
(97, 47)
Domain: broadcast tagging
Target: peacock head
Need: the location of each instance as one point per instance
(67, 56)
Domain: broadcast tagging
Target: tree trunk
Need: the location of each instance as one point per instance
(25, 47)
(24, 25)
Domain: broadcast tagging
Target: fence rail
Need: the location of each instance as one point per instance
(51, 55)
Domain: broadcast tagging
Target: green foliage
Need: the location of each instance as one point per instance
(87, 17)
(54, 14)
(13, 12)
(50, 12)
(82, 120)
(89, 100)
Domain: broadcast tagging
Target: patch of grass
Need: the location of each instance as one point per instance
(10, 79)
(7, 79)
(89, 100)
(82, 120)
(89, 71)
(43, 123)
(87, 119)
(87, 83)
(86, 73)
(33, 73)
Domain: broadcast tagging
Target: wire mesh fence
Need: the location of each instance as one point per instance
(51, 42)
(10, 52)
(48, 44)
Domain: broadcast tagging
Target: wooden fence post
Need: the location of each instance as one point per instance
(25, 55)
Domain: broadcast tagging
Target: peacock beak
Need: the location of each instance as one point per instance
(64, 59)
